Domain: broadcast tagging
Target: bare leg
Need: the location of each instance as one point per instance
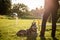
(43, 27)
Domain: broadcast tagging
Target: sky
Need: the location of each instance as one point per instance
(32, 4)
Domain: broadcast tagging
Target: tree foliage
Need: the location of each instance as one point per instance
(20, 9)
(5, 6)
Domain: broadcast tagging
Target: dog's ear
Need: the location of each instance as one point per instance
(33, 23)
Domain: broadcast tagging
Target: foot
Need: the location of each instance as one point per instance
(53, 36)
(41, 36)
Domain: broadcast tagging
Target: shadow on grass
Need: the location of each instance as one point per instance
(51, 29)
(54, 38)
(31, 38)
(44, 38)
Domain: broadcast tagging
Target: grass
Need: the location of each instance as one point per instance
(9, 28)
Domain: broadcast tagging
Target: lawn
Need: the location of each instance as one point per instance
(9, 28)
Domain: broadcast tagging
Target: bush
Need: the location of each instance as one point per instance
(5, 17)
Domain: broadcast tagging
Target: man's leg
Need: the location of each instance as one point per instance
(43, 26)
(54, 20)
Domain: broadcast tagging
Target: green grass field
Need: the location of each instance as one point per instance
(9, 28)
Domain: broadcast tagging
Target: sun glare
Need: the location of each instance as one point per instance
(32, 4)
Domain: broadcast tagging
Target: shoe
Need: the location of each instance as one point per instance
(41, 36)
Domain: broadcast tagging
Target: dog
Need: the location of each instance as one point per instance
(32, 31)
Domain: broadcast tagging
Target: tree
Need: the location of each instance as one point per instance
(5, 6)
(20, 9)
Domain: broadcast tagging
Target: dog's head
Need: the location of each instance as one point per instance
(33, 26)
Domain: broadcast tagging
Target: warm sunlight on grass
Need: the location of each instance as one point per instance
(8, 29)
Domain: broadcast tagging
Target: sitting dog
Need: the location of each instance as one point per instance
(32, 31)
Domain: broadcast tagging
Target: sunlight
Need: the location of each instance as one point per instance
(32, 4)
